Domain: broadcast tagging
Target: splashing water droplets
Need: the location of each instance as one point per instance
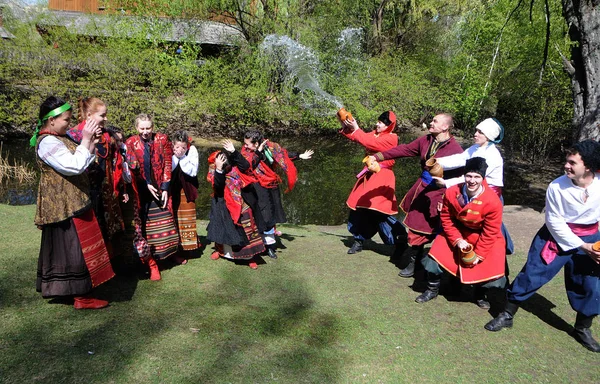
(297, 63)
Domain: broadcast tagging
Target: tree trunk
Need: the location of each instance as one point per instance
(377, 21)
(583, 19)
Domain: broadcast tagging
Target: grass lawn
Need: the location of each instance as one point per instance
(315, 315)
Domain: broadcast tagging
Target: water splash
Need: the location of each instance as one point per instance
(350, 43)
(300, 65)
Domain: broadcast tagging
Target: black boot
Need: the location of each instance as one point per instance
(414, 254)
(504, 319)
(356, 247)
(481, 298)
(433, 289)
(583, 334)
(497, 300)
(271, 251)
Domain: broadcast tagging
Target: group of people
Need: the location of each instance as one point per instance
(89, 173)
(456, 206)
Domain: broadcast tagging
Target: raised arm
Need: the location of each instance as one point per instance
(54, 153)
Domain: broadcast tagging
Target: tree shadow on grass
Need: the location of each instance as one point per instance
(278, 329)
(237, 326)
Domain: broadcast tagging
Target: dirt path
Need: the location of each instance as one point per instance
(522, 223)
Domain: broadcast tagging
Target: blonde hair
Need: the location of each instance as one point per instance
(88, 105)
(143, 117)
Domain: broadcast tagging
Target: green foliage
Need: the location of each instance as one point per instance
(415, 58)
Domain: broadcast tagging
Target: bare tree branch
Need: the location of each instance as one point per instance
(546, 42)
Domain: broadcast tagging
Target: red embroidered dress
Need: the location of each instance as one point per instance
(376, 191)
(161, 152)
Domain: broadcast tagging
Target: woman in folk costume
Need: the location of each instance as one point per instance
(471, 218)
(73, 258)
(263, 195)
(105, 197)
(231, 227)
(149, 156)
(421, 201)
(373, 199)
(184, 189)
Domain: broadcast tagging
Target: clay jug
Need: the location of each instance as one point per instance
(372, 166)
(435, 169)
(344, 115)
(468, 256)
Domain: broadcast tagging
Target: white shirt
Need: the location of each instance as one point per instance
(55, 153)
(188, 163)
(493, 158)
(565, 204)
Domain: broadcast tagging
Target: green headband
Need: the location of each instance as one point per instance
(52, 113)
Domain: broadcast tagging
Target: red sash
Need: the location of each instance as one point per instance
(93, 248)
(550, 250)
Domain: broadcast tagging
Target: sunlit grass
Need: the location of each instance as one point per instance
(315, 315)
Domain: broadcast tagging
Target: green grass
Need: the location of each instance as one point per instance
(315, 315)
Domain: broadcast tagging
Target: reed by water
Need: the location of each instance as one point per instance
(19, 171)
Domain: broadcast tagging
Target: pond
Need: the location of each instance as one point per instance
(319, 197)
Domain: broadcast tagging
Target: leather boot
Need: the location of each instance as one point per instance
(83, 302)
(504, 319)
(154, 272)
(583, 334)
(481, 298)
(271, 251)
(414, 254)
(356, 247)
(433, 288)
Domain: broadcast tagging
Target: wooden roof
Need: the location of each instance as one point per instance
(167, 29)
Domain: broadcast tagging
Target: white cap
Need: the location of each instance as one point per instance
(490, 128)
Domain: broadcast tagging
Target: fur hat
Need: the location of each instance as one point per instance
(477, 165)
(492, 129)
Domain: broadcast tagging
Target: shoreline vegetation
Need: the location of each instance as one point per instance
(300, 62)
(316, 315)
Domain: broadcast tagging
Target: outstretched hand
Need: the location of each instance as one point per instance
(349, 125)
(228, 146)
(307, 154)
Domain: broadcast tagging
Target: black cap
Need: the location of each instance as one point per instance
(477, 165)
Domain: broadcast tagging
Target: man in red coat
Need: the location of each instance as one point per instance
(471, 220)
(373, 199)
(421, 202)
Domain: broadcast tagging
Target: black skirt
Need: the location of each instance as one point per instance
(221, 228)
(266, 206)
(61, 267)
